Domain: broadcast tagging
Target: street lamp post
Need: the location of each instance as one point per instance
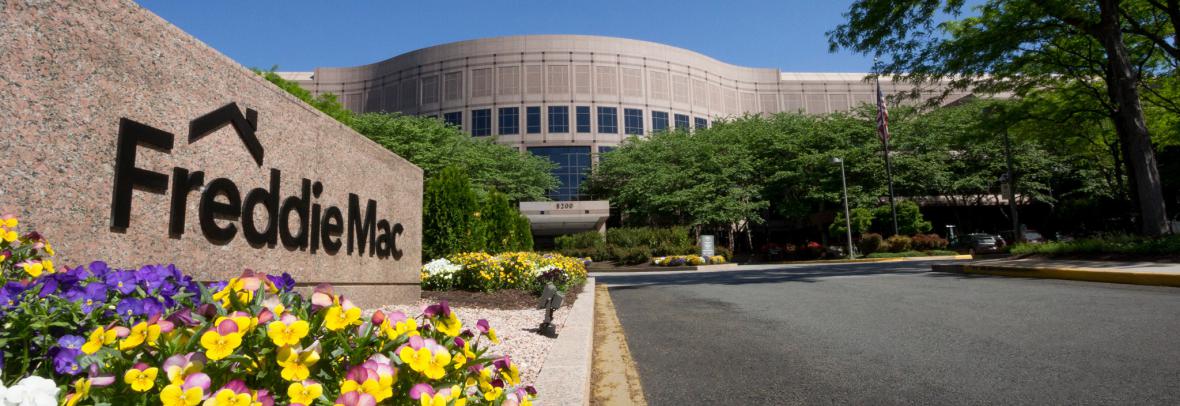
(847, 217)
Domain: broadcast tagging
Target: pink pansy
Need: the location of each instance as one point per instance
(356, 399)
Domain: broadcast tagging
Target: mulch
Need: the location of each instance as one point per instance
(505, 299)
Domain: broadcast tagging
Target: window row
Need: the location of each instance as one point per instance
(508, 119)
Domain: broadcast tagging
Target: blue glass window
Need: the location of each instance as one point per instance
(509, 120)
(659, 121)
(454, 118)
(533, 114)
(573, 163)
(481, 122)
(681, 122)
(633, 121)
(583, 119)
(559, 119)
(701, 123)
(608, 120)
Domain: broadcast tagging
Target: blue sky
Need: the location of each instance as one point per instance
(304, 34)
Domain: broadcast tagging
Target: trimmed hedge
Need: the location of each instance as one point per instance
(628, 245)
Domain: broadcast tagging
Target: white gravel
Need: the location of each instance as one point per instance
(516, 330)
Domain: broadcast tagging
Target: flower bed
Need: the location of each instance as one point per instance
(483, 272)
(687, 260)
(101, 335)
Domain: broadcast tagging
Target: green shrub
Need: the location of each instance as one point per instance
(869, 243)
(935, 253)
(901, 254)
(449, 224)
(649, 237)
(926, 242)
(723, 252)
(524, 233)
(583, 240)
(899, 243)
(630, 255)
(498, 223)
(1111, 244)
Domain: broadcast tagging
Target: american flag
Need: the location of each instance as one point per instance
(882, 115)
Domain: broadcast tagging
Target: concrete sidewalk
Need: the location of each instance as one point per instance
(1128, 272)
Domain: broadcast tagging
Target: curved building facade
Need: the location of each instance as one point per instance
(572, 97)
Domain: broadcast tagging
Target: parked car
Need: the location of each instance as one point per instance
(976, 243)
(1030, 236)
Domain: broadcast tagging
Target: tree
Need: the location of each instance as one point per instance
(498, 223)
(433, 145)
(450, 222)
(909, 218)
(1020, 45)
(862, 220)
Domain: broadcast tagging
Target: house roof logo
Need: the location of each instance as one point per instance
(229, 114)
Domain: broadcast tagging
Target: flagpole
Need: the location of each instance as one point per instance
(888, 166)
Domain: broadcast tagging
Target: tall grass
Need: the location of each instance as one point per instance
(1111, 244)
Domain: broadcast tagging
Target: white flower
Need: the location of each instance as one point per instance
(31, 391)
(441, 268)
(541, 271)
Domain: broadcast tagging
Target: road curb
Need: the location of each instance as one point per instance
(565, 376)
(899, 259)
(1076, 274)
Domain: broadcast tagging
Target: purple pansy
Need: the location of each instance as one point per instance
(129, 307)
(65, 360)
(122, 281)
(71, 341)
(151, 307)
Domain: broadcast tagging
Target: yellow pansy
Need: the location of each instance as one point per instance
(98, 338)
(493, 393)
(449, 325)
(436, 400)
(226, 397)
(338, 318)
(297, 362)
(218, 346)
(284, 334)
(141, 379)
(305, 393)
(141, 333)
(245, 323)
(379, 389)
(8, 235)
(394, 330)
(34, 269)
(81, 391)
(175, 395)
(422, 360)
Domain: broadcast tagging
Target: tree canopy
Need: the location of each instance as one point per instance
(433, 145)
(1105, 52)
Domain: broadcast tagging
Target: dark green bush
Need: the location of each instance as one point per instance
(869, 243)
(1111, 244)
(725, 252)
(630, 255)
(449, 224)
(583, 240)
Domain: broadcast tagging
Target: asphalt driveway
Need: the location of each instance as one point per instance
(892, 333)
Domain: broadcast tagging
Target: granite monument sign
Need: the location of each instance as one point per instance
(92, 98)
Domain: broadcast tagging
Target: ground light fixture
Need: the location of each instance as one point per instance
(847, 217)
(550, 301)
